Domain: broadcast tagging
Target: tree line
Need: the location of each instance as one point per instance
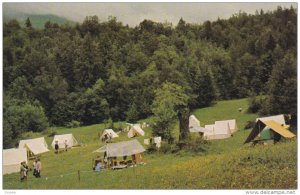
(105, 70)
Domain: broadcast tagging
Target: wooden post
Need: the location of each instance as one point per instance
(78, 175)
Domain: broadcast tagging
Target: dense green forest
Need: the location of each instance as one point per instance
(103, 70)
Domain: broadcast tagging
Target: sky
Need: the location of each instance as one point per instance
(133, 13)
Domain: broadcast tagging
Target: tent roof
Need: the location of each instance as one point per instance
(125, 148)
(61, 139)
(209, 127)
(193, 121)
(279, 129)
(110, 131)
(275, 126)
(222, 127)
(135, 128)
(36, 146)
(14, 156)
(277, 118)
(138, 128)
(231, 122)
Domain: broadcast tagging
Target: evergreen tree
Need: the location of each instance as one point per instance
(28, 23)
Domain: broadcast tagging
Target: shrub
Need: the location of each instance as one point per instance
(24, 118)
(152, 148)
(194, 144)
(255, 104)
(73, 124)
(169, 148)
(50, 132)
(165, 148)
(249, 125)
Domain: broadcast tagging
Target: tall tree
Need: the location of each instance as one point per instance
(28, 23)
(169, 103)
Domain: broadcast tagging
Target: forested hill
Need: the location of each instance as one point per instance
(99, 70)
(37, 20)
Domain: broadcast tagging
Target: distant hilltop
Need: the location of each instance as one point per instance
(37, 20)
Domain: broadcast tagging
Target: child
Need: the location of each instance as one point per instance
(56, 147)
(66, 145)
(38, 168)
(98, 166)
(34, 167)
(23, 172)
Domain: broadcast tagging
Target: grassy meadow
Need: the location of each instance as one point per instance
(227, 164)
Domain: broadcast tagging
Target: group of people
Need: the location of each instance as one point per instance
(24, 168)
(56, 146)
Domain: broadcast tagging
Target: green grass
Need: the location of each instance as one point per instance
(227, 163)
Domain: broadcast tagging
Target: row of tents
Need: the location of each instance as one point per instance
(266, 130)
(133, 130)
(32, 147)
(219, 130)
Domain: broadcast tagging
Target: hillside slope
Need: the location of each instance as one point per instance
(227, 164)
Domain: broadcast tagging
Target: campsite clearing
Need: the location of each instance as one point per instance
(241, 166)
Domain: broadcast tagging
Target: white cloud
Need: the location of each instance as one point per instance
(134, 13)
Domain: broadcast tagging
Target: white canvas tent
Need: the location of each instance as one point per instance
(277, 118)
(135, 130)
(220, 130)
(71, 141)
(232, 124)
(198, 130)
(36, 146)
(209, 127)
(193, 121)
(120, 149)
(109, 132)
(12, 159)
(128, 127)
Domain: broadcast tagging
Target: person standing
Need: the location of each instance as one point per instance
(23, 172)
(38, 168)
(34, 167)
(66, 145)
(56, 147)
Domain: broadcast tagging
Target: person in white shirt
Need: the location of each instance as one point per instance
(38, 168)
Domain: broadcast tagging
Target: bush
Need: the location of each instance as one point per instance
(24, 118)
(73, 124)
(151, 149)
(197, 144)
(255, 104)
(169, 148)
(49, 132)
(165, 148)
(249, 125)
